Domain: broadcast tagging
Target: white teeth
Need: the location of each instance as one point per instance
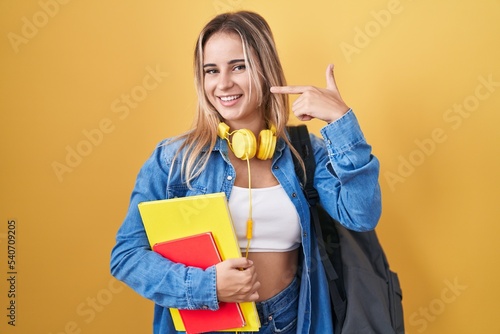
(229, 98)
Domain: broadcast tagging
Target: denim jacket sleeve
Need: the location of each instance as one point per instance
(352, 196)
(166, 283)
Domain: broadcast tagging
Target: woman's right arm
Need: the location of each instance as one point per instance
(132, 261)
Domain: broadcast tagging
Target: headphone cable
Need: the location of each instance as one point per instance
(249, 220)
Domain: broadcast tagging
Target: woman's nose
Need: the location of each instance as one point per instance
(225, 81)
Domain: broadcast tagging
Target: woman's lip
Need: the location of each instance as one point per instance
(229, 100)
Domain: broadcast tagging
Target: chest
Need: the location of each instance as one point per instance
(256, 173)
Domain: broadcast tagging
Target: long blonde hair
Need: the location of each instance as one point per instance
(265, 71)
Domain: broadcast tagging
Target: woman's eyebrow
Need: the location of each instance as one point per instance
(234, 61)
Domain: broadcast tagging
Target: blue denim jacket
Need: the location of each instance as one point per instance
(346, 179)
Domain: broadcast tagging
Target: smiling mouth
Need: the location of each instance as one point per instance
(229, 98)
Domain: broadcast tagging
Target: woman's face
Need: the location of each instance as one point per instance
(227, 81)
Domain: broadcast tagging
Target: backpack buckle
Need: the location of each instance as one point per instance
(312, 196)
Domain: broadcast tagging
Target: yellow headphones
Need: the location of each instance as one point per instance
(244, 145)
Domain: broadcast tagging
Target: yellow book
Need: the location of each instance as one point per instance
(175, 218)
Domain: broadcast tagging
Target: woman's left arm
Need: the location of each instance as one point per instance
(346, 172)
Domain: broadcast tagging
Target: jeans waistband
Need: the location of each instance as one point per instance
(268, 307)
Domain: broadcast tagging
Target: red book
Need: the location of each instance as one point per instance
(200, 250)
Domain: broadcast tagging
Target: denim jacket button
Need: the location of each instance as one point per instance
(229, 178)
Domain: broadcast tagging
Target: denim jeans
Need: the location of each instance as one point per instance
(278, 314)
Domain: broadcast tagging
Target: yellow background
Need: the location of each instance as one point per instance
(68, 68)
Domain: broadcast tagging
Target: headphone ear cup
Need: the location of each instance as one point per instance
(223, 130)
(267, 145)
(244, 144)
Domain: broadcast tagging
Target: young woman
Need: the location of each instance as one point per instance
(240, 82)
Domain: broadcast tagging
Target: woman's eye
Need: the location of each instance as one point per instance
(210, 71)
(240, 67)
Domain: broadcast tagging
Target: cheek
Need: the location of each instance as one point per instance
(210, 83)
(206, 85)
(208, 88)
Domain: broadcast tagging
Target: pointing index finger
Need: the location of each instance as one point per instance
(289, 89)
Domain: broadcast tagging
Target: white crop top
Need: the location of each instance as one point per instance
(276, 226)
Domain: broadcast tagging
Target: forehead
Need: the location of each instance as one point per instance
(222, 47)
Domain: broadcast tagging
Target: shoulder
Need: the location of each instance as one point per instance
(161, 157)
(170, 147)
(174, 149)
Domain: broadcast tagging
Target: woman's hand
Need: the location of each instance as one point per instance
(237, 281)
(322, 103)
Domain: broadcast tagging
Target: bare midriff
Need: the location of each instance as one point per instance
(275, 271)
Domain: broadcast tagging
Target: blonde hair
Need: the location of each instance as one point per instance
(265, 71)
